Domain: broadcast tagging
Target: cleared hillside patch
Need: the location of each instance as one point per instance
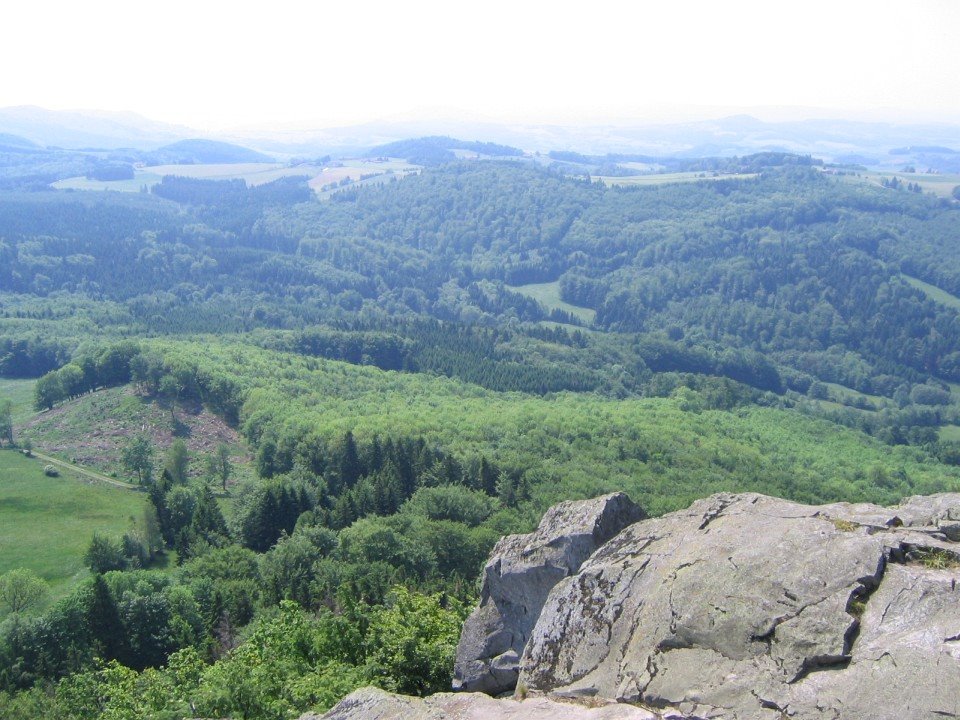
(949, 433)
(361, 170)
(251, 173)
(93, 430)
(854, 398)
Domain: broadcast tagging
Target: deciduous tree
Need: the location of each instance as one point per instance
(20, 589)
(137, 457)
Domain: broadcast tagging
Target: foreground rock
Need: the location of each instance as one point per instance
(745, 606)
(372, 704)
(520, 573)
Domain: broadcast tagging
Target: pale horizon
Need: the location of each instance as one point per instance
(217, 68)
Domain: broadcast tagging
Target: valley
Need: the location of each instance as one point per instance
(290, 407)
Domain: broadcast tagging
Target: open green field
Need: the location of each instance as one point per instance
(46, 522)
(934, 293)
(361, 171)
(939, 185)
(135, 185)
(664, 178)
(548, 295)
(251, 173)
(848, 396)
(950, 433)
(21, 393)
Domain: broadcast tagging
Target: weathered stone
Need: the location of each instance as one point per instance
(373, 704)
(745, 606)
(516, 580)
(933, 511)
(905, 662)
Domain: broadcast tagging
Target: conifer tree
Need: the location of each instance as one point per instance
(350, 468)
(488, 478)
(103, 620)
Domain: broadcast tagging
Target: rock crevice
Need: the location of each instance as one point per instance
(742, 607)
(749, 607)
(516, 580)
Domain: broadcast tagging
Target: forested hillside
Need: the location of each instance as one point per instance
(420, 366)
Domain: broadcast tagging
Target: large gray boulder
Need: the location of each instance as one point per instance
(520, 573)
(745, 606)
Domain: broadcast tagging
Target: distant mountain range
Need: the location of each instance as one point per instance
(89, 129)
(194, 151)
(874, 144)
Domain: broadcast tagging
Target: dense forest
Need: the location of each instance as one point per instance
(421, 366)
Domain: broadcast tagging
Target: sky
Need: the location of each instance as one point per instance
(220, 65)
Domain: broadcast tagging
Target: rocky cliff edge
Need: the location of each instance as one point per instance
(740, 607)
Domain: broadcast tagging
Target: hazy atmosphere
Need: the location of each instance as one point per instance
(516, 361)
(219, 65)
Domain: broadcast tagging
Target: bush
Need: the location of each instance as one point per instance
(412, 641)
(929, 395)
(447, 502)
(104, 555)
(50, 471)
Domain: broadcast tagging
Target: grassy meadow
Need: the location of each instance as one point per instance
(251, 173)
(941, 185)
(21, 393)
(934, 293)
(46, 522)
(548, 295)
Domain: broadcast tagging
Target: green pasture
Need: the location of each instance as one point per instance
(46, 522)
(934, 293)
(848, 396)
(251, 173)
(21, 393)
(548, 295)
(935, 183)
(950, 433)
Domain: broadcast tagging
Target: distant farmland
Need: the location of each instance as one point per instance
(664, 178)
(358, 170)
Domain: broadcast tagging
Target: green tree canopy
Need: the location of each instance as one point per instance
(137, 457)
(21, 589)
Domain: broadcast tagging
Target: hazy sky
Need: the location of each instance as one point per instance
(213, 64)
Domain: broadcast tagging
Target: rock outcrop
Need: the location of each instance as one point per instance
(517, 578)
(745, 606)
(742, 607)
(373, 704)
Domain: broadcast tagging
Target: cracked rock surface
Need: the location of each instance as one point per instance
(517, 578)
(373, 704)
(746, 606)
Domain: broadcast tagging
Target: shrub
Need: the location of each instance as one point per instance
(104, 555)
